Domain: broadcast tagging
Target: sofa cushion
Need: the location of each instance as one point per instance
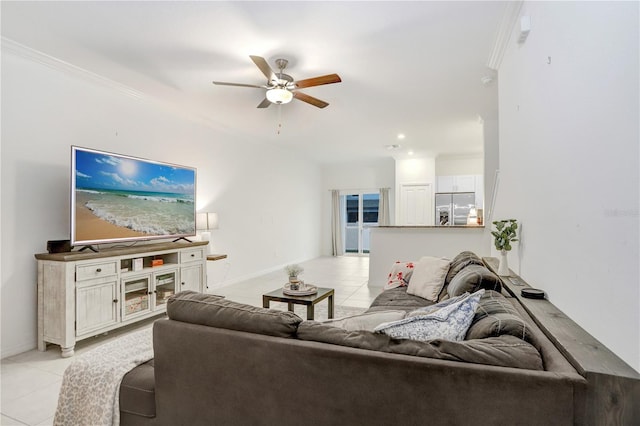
(471, 279)
(496, 316)
(366, 321)
(397, 298)
(505, 351)
(460, 262)
(399, 275)
(448, 320)
(215, 311)
(137, 391)
(428, 276)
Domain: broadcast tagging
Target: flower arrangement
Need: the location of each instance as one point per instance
(293, 270)
(505, 233)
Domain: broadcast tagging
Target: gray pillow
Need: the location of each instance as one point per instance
(496, 316)
(460, 262)
(215, 311)
(473, 278)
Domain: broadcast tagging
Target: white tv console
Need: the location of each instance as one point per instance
(83, 294)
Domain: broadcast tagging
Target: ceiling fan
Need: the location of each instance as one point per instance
(281, 88)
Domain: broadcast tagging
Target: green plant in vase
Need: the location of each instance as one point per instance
(504, 235)
(293, 271)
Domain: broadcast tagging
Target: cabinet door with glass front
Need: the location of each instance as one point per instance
(164, 284)
(136, 295)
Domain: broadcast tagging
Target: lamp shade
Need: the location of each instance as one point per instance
(206, 221)
(279, 96)
(212, 220)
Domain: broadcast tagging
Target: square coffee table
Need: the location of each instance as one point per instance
(308, 301)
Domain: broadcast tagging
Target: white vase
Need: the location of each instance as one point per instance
(503, 268)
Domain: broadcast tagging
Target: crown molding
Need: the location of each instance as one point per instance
(503, 34)
(33, 55)
(71, 70)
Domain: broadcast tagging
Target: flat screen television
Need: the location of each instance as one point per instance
(117, 198)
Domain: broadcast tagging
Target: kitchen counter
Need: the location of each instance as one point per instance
(409, 243)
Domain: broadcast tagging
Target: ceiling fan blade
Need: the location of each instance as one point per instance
(318, 81)
(264, 67)
(222, 83)
(310, 99)
(264, 104)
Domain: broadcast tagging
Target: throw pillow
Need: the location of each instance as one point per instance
(428, 276)
(473, 278)
(461, 261)
(450, 322)
(366, 321)
(497, 316)
(399, 275)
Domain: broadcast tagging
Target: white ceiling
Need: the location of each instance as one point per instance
(406, 67)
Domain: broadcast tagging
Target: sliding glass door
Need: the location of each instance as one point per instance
(360, 212)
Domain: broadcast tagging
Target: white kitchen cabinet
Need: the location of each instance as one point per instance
(462, 183)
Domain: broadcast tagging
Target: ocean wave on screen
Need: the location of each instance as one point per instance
(146, 222)
(160, 199)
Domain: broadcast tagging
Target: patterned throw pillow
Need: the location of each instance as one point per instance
(450, 322)
(399, 275)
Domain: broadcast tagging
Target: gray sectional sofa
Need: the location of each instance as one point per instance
(218, 362)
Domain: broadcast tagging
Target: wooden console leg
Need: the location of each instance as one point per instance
(67, 352)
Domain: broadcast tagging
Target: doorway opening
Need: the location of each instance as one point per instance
(360, 213)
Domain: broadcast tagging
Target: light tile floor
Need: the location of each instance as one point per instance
(30, 381)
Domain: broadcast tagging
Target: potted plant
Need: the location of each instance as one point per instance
(293, 271)
(504, 234)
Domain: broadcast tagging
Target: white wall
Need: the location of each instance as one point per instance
(569, 161)
(264, 223)
(366, 175)
(453, 165)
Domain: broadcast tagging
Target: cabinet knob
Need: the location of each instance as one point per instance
(193, 255)
(115, 300)
(182, 283)
(99, 270)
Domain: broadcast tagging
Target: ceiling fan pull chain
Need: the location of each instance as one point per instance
(279, 118)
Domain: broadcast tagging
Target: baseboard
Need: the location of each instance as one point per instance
(236, 280)
(15, 350)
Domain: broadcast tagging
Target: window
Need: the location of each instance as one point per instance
(360, 211)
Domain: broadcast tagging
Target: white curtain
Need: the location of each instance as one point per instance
(336, 224)
(383, 208)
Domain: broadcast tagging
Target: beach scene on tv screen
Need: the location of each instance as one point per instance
(120, 197)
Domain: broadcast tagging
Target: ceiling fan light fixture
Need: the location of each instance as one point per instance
(279, 96)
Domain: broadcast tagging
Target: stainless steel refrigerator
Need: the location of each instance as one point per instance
(452, 208)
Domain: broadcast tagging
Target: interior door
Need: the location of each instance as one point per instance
(416, 204)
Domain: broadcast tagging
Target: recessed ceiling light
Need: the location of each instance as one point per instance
(401, 136)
